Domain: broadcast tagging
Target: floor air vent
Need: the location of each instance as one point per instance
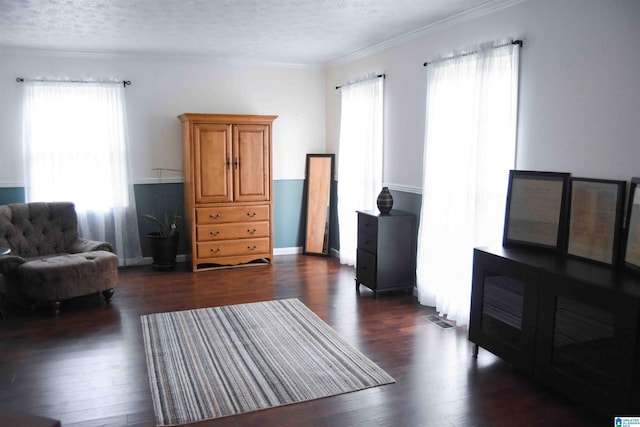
(439, 322)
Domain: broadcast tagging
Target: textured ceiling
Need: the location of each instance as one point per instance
(279, 31)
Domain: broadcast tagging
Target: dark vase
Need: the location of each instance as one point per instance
(385, 200)
(163, 250)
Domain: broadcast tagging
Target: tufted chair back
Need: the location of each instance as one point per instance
(38, 229)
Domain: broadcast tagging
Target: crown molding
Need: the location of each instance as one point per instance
(157, 56)
(487, 8)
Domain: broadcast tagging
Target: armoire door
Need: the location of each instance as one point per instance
(251, 148)
(212, 158)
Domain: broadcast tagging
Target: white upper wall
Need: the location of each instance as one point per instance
(579, 88)
(163, 88)
(579, 94)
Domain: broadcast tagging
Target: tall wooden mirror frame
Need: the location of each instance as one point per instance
(318, 204)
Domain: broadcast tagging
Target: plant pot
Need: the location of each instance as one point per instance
(163, 250)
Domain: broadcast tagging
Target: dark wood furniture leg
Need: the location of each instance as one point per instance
(107, 295)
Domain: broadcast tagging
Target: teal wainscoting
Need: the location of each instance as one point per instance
(288, 205)
(158, 200)
(287, 213)
(408, 202)
(11, 195)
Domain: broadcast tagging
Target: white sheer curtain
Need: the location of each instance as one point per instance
(359, 158)
(470, 143)
(75, 149)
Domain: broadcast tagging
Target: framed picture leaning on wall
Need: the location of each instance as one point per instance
(536, 209)
(632, 240)
(595, 219)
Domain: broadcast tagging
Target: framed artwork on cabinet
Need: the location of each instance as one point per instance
(536, 209)
(632, 240)
(595, 219)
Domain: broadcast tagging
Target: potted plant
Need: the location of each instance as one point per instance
(164, 241)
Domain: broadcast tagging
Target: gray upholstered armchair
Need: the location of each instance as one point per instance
(48, 262)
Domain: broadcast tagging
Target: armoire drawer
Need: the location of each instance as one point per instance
(233, 247)
(226, 214)
(230, 231)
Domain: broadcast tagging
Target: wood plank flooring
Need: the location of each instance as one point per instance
(87, 366)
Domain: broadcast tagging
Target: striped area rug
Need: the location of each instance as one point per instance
(214, 362)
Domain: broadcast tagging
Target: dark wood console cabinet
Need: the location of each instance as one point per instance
(572, 324)
(386, 251)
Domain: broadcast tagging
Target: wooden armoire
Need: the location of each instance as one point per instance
(228, 188)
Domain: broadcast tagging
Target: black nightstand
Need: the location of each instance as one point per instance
(386, 256)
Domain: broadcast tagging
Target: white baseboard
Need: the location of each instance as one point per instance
(276, 252)
(287, 251)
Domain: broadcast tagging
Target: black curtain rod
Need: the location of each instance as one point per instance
(125, 83)
(380, 76)
(518, 42)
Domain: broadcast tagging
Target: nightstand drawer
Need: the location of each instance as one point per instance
(368, 242)
(368, 224)
(225, 214)
(366, 268)
(232, 231)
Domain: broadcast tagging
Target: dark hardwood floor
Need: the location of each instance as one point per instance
(87, 367)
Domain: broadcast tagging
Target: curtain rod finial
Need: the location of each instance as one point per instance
(19, 79)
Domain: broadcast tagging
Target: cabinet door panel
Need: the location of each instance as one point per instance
(252, 163)
(503, 309)
(212, 148)
(583, 345)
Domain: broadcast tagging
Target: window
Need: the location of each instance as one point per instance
(359, 157)
(74, 137)
(470, 142)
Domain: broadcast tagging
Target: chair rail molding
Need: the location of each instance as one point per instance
(404, 188)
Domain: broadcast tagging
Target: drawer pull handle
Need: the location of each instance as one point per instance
(214, 216)
(214, 233)
(366, 241)
(251, 214)
(215, 251)
(250, 231)
(251, 248)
